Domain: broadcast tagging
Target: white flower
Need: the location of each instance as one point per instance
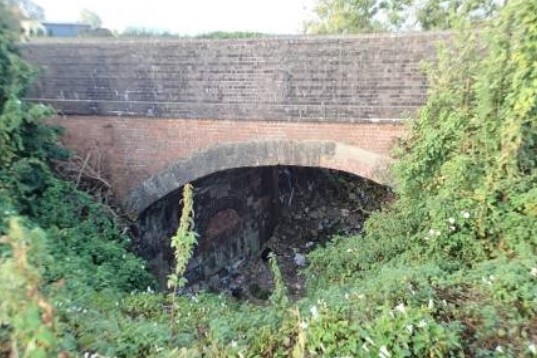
(400, 307)
(499, 349)
(303, 325)
(233, 344)
(434, 232)
(465, 214)
(149, 290)
(349, 250)
(532, 348)
(533, 271)
(314, 312)
(452, 228)
(431, 304)
(383, 352)
(451, 221)
(422, 324)
(410, 328)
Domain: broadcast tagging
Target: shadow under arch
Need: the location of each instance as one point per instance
(322, 154)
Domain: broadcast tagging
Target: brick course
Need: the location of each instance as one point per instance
(134, 150)
(158, 113)
(334, 79)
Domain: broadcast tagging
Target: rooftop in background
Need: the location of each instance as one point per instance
(65, 29)
(61, 23)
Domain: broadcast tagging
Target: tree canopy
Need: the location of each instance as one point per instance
(90, 18)
(28, 9)
(355, 16)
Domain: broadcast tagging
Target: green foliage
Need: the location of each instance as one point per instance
(182, 243)
(279, 296)
(465, 168)
(184, 240)
(216, 35)
(62, 254)
(449, 269)
(28, 8)
(90, 18)
(222, 35)
(27, 319)
(446, 14)
(144, 32)
(355, 16)
(352, 16)
(462, 234)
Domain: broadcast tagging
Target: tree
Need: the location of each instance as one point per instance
(355, 16)
(29, 9)
(441, 14)
(90, 18)
(134, 31)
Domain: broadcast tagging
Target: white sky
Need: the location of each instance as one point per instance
(188, 17)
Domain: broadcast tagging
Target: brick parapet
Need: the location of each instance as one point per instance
(304, 79)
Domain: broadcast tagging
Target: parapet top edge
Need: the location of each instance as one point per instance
(269, 38)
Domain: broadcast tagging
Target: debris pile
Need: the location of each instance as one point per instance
(315, 205)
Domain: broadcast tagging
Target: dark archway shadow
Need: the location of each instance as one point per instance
(322, 154)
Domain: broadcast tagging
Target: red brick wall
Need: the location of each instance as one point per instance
(133, 149)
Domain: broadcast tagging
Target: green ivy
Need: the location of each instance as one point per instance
(448, 270)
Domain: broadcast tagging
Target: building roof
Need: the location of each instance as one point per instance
(51, 23)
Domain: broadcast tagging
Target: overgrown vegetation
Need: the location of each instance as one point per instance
(222, 35)
(356, 16)
(450, 269)
(141, 32)
(63, 259)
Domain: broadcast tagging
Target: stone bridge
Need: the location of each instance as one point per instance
(161, 113)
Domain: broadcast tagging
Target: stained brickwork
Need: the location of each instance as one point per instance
(235, 214)
(156, 114)
(333, 79)
(145, 159)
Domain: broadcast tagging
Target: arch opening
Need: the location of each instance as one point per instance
(221, 157)
(242, 214)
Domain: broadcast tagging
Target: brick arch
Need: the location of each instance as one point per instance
(323, 154)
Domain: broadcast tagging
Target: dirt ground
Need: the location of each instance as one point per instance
(316, 205)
